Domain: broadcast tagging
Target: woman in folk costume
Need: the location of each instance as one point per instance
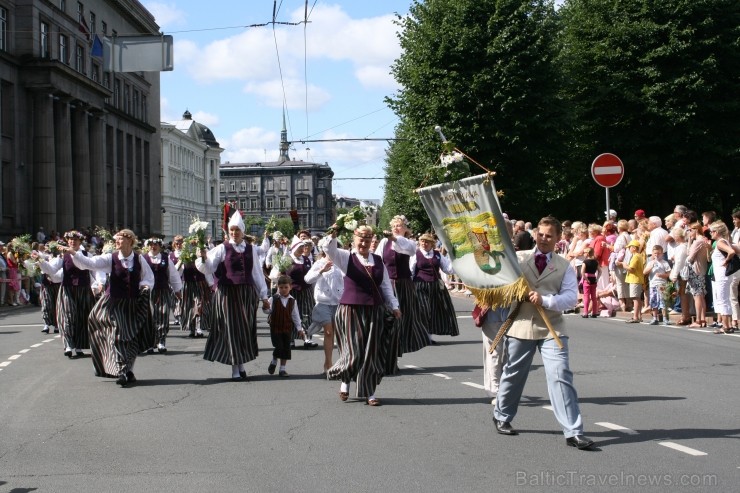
(121, 312)
(51, 283)
(174, 255)
(300, 289)
(196, 297)
(409, 334)
(166, 281)
(359, 321)
(435, 301)
(241, 284)
(75, 299)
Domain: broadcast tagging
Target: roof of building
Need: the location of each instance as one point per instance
(201, 131)
(290, 163)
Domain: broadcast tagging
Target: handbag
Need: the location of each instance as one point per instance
(733, 266)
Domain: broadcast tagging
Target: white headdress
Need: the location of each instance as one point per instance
(236, 220)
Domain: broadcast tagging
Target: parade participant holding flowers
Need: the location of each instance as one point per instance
(76, 298)
(50, 285)
(409, 333)
(241, 284)
(121, 312)
(359, 320)
(166, 281)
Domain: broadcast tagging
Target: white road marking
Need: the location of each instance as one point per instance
(621, 428)
(24, 325)
(15, 356)
(682, 448)
(549, 408)
(415, 367)
(24, 351)
(37, 345)
(442, 375)
(5, 363)
(464, 316)
(47, 340)
(474, 385)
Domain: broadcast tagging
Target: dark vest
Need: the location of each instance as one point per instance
(281, 319)
(358, 287)
(160, 270)
(72, 275)
(122, 282)
(396, 263)
(191, 274)
(297, 273)
(236, 267)
(427, 270)
(173, 257)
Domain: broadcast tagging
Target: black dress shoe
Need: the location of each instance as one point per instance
(271, 368)
(68, 354)
(45, 330)
(579, 441)
(243, 375)
(122, 380)
(130, 377)
(504, 428)
(78, 355)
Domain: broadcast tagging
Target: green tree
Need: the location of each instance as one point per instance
(483, 70)
(657, 84)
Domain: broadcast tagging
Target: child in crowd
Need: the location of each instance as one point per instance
(658, 271)
(588, 278)
(635, 279)
(283, 317)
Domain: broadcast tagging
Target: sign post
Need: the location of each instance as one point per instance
(607, 170)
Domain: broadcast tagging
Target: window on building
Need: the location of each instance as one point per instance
(63, 49)
(320, 221)
(63, 5)
(106, 80)
(244, 186)
(127, 98)
(92, 23)
(136, 104)
(80, 58)
(302, 203)
(95, 72)
(255, 184)
(320, 200)
(253, 204)
(283, 203)
(104, 28)
(117, 93)
(144, 109)
(232, 186)
(270, 203)
(243, 204)
(43, 39)
(269, 185)
(222, 187)
(3, 29)
(80, 11)
(283, 184)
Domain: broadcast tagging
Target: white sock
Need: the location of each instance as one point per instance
(241, 367)
(282, 367)
(371, 397)
(234, 371)
(344, 387)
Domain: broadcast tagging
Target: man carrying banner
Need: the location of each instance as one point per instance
(553, 287)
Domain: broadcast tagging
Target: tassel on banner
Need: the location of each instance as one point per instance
(501, 297)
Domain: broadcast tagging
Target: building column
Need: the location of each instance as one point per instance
(44, 172)
(64, 175)
(98, 169)
(81, 167)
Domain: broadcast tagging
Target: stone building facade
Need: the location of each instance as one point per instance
(80, 147)
(263, 190)
(191, 157)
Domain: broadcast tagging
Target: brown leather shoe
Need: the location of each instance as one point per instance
(343, 396)
(373, 402)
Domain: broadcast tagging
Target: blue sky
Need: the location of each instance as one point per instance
(230, 79)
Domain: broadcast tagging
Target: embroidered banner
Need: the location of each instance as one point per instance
(467, 218)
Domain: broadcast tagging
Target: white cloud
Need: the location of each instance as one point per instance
(270, 93)
(370, 45)
(206, 118)
(252, 144)
(166, 14)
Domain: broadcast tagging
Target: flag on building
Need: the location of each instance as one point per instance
(82, 26)
(97, 47)
(467, 218)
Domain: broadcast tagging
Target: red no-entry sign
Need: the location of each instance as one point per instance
(607, 170)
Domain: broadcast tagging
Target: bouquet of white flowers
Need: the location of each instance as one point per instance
(453, 162)
(197, 231)
(348, 222)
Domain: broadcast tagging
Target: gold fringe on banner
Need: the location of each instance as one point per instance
(501, 297)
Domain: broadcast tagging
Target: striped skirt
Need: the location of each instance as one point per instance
(206, 310)
(114, 333)
(362, 346)
(73, 309)
(158, 320)
(194, 295)
(412, 333)
(305, 300)
(49, 296)
(436, 308)
(233, 336)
